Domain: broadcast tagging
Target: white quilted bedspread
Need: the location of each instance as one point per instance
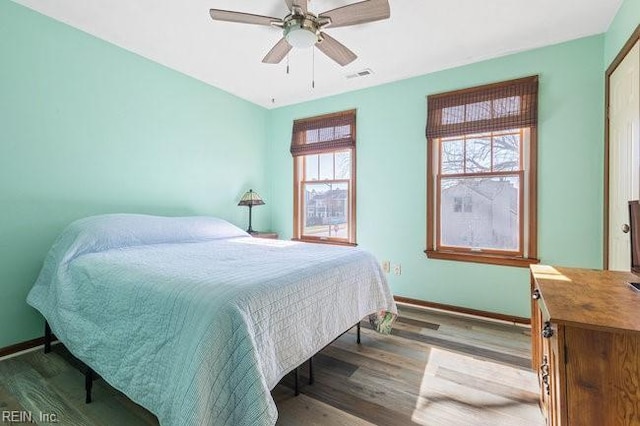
(200, 332)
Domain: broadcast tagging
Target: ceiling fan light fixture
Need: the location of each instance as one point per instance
(303, 29)
(301, 35)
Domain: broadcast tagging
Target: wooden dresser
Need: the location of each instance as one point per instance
(585, 334)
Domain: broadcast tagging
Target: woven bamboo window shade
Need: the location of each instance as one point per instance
(324, 133)
(502, 106)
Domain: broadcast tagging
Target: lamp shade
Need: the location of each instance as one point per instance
(251, 198)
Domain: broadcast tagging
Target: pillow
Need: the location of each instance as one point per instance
(100, 233)
(104, 232)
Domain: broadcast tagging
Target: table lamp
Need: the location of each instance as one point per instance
(250, 199)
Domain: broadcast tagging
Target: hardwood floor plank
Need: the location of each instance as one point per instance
(105, 405)
(515, 361)
(12, 367)
(342, 366)
(48, 365)
(459, 403)
(368, 358)
(470, 381)
(492, 338)
(418, 323)
(435, 369)
(517, 336)
(523, 380)
(8, 402)
(306, 411)
(394, 395)
(37, 396)
(339, 393)
(372, 351)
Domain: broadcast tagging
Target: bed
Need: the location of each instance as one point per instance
(193, 318)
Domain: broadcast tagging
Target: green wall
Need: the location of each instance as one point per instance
(87, 128)
(623, 25)
(391, 173)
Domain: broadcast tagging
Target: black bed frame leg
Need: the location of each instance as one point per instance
(88, 384)
(295, 375)
(311, 370)
(358, 333)
(47, 338)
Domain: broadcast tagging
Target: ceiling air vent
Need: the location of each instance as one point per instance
(365, 72)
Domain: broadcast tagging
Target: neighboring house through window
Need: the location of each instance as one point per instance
(323, 150)
(481, 180)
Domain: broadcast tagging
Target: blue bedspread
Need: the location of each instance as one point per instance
(194, 319)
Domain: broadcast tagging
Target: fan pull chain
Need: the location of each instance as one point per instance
(287, 63)
(313, 68)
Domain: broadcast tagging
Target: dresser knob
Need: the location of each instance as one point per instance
(536, 294)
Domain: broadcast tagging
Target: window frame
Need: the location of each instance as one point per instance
(299, 174)
(526, 252)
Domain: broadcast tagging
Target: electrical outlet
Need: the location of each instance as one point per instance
(386, 266)
(397, 269)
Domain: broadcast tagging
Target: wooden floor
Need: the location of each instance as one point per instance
(435, 369)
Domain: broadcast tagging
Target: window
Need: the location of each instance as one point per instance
(324, 151)
(481, 180)
(459, 202)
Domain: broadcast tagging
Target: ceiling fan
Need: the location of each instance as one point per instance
(302, 29)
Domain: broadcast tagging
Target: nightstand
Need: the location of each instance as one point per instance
(272, 235)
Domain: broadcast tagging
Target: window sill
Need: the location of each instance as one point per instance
(482, 258)
(319, 241)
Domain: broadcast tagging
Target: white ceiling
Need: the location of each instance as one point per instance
(420, 37)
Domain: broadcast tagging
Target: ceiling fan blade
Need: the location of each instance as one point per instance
(335, 50)
(243, 18)
(277, 52)
(358, 13)
(302, 4)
